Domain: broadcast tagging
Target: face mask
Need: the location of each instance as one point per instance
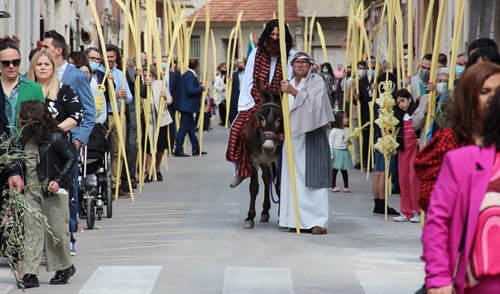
(459, 69)
(372, 72)
(240, 69)
(441, 88)
(223, 72)
(325, 70)
(362, 72)
(424, 75)
(164, 65)
(94, 65)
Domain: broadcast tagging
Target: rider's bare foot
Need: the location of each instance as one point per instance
(236, 181)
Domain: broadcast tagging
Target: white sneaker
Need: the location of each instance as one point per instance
(400, 218)
(72, 246)
(415, 218)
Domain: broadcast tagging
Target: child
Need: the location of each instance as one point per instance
(49, 166)
(407, 151)
(341, 158)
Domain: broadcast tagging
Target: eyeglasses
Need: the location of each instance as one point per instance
(95, 59)
(14, 62)
(300, 62)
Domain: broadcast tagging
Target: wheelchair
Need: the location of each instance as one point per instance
(93, 190)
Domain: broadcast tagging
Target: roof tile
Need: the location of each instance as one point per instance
(253, 10)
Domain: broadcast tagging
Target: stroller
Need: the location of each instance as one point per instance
(93, 187)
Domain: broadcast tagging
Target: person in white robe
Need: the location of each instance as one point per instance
(310, 113)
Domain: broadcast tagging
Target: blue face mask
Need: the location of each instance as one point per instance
(325, 70)
(164, 65)
(94, 66)
(372, 72)
(459, 69)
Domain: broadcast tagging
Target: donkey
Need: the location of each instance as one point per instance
(263, 144)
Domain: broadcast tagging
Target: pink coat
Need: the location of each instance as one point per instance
(461, 186)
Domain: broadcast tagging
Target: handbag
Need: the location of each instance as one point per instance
(461, 247)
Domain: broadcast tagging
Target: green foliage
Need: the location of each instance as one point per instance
(441, 117)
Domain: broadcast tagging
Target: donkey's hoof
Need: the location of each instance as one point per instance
(248, 224)
(264, 218)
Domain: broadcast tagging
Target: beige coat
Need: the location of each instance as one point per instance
(156, 88)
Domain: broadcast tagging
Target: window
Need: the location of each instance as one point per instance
(194, 47)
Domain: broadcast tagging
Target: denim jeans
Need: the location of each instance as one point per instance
(73, 204)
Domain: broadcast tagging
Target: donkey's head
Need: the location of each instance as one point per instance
(269, 119)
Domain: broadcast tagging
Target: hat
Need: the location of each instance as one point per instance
(303, 55)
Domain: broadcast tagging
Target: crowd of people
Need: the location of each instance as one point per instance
(461, 228)
(55, 107)
(63, 93)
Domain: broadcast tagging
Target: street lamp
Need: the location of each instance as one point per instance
(4, 14)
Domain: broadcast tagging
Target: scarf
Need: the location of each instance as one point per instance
(261, 71)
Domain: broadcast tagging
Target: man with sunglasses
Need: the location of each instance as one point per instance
(420, 81)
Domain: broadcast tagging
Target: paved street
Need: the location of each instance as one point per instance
(185, 235)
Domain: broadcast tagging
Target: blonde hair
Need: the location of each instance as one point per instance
(53, 86)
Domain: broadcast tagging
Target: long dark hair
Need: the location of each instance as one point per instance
(329, 66)
(339, 120)
(411, 109)
(491, 124)
(267, 32)
(37, 122)
(466, 117)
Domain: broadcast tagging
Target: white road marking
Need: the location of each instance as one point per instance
(122, 280)
(375, 282)
(7, 280)
(250, 280)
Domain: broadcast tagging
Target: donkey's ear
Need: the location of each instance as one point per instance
(261, 88)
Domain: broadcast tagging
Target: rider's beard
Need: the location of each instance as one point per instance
(273, 47)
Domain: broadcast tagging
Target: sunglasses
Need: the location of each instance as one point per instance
(14, 62)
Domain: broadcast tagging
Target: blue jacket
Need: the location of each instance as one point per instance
(173, 83)
(79, 82)
(189, 93)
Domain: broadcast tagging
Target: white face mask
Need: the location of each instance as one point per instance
(441, 88)
(362, 73)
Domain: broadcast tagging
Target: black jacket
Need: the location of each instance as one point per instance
(56, 161)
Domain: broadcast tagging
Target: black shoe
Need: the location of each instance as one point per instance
(134, 185)
(147, 179)
(390, 211)
(178, 154)
(28, 281)
(197, 153)
(62, 277)
(159, 177)
(395, 190)
(124, 187)
(357, 166)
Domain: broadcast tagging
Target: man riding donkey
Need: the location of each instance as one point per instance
(263, 63)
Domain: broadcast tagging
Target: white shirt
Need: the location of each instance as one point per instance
(219, 85)
(245, 100)
(338, 137)
(61, 69)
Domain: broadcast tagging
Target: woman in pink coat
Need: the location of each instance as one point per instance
(467, 186)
